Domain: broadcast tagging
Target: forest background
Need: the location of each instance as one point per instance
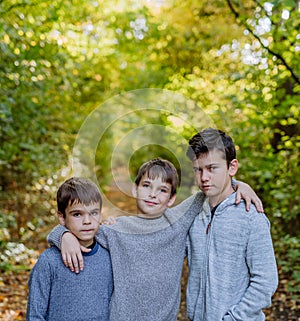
(237, 61)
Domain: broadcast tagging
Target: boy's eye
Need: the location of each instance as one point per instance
(76, 214)
(146, 185)
(164, 190)
(94, 213)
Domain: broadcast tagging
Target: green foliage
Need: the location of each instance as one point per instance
(61, 61)
(7, 223)
(289, 260)
(254, 96)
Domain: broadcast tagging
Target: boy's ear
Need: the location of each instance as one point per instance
(172, 200)
(61, 218)
(233, 167)
(134, 190)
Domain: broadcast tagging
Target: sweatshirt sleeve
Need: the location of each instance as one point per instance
(233, 183)
(189, 208)
(101, 237)
(263, 272)
(54, 237)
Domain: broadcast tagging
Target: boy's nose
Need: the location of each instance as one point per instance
(204, 176)
(86, 219)
(152, 193)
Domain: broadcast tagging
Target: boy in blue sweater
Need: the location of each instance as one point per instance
(233, 272)
(55, 293)
(147, 250)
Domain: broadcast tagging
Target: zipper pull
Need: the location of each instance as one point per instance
(211, 218)
(208, 228)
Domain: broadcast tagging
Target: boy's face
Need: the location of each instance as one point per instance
(153, 196)
(82, 220)
(213, 176)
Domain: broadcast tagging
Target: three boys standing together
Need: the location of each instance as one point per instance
(232, 267)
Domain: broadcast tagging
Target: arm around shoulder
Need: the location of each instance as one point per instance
(193, 202)
(101, 236)
(69, 246)
(55, 236)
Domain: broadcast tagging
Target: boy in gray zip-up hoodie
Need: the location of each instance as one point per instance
(233, 272)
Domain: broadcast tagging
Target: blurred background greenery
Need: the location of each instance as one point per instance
(239, 61)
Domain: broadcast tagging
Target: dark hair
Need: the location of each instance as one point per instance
(159, 167)
(77, 189)
(210, 139)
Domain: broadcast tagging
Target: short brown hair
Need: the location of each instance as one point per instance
(159, 167)
(77, 189)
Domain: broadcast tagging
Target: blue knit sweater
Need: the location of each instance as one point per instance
(57, 294)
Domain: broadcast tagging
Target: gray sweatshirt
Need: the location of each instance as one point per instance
(147, 257)
(233, 272)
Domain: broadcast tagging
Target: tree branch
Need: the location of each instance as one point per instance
(270, 51)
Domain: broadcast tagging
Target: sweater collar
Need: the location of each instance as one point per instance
(228, 201)
(94, 249)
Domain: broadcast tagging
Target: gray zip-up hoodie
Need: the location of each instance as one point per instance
(233, 272)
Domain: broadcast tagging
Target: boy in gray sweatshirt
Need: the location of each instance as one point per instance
(147, 250)
(233, 272)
